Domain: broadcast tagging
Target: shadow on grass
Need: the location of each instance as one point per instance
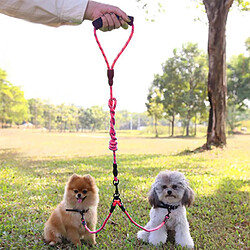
(145, 166)
(97, 165)
(9, 153)
(194, 151)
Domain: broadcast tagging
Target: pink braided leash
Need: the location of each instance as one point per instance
(112, 101)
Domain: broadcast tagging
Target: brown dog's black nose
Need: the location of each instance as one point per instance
(169, 192)
(79, 195)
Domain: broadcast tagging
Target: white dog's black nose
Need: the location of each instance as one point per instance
(169, 192)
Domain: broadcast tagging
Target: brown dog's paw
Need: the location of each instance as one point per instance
(52, 243)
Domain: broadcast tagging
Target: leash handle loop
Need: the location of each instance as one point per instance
(118, 55)
(112, 101)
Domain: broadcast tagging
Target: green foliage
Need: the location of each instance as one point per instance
(238, 87)
(66, 117)
(50, 116)
(36, 111)
(154, 106)
(13, 105)
(99, 117)
(243, 5)
(93, 118)
(151, 8)
(238, 71)
(182, 86)
(194, 70)
(19, 106)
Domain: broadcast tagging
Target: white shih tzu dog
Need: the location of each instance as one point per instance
(169, 193)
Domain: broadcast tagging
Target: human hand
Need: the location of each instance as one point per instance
(108, 14)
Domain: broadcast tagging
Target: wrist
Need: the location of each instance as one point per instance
(90, 9)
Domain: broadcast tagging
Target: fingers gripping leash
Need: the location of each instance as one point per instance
(113, 139)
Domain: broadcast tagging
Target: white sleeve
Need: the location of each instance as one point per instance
(48, 12)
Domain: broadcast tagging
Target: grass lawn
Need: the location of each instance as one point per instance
(35, 166)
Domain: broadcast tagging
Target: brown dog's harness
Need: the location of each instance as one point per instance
(82, 212)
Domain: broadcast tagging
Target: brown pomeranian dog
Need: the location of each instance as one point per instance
(80, 193)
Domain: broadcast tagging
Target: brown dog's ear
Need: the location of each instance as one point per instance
(188, 197)
(74, 176)
(88, 176)
(89, 179)
(153, 198)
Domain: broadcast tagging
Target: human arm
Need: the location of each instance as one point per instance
(52, 13)
(64, 12)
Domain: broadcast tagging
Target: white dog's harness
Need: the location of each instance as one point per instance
(168, 206)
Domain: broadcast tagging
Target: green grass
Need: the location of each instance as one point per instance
(33, 174)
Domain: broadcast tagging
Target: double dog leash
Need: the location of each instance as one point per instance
(113, 139)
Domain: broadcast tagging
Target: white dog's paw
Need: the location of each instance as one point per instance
(190, 246)
(183, 237)
(187, 246)
(187, 243)
(156, 242)
(142, 235)
(158, 237)
(52, 243)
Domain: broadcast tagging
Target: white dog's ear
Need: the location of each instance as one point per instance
(188, 197)
(153, 198)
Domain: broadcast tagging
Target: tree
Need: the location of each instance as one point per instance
(63, 117)
(72, 118)
(93, 118)
(13, 105)
(98, 117)
(49, 114)
(155, 106)
(5, 97)
(85, 118)
(217, 12)
(170, 85)
(193, 69)
(122, 119)
(36, 109)
(239, 80)
(18, 106)
(183, 84)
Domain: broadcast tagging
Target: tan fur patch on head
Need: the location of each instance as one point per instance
(81, 183)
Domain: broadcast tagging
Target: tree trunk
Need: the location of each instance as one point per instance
(173, 120)
(156, 130)
(188, 123)
(217, 11)
(35, 116)
(187, 129)
(195, 125)
(49, 122)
